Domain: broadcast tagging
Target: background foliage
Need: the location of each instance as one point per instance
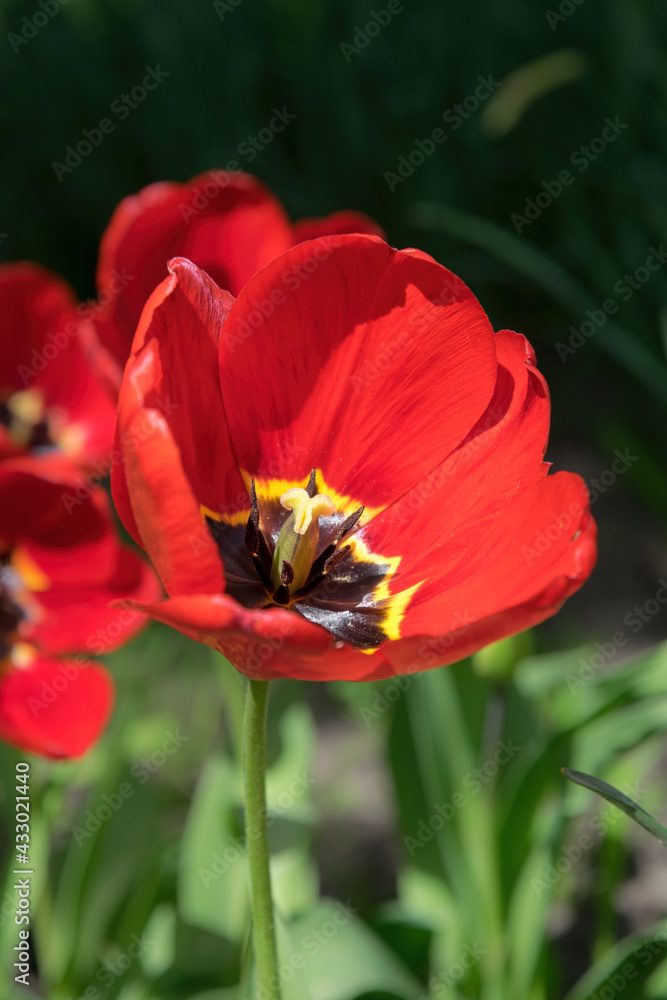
(381, 759)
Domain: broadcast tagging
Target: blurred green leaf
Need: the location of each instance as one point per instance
(532, 262)
(330, 954)
(213, 877)
(524, 86)
(621, 801)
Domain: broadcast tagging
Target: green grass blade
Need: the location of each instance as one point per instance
(621, 801)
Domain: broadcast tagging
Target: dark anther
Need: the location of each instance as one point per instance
(323, 565)
(281, 596)
(252, 536)
(318, 566)
(349, 523)
(255, 541)
(254, 506)
(252, 532)
(311, 488)
(286, 573)
(334, 559)
(10, 612)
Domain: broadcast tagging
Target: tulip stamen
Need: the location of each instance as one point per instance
(256, 543)
(11, 611)
(311, 485)
(25, 417)
(349, 523)
(288, 563)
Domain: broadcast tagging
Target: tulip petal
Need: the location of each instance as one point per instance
(48, 503)
(79, 616)
(182, 321)
(260, 644)
(382, 361)
(337, 223)
(229, 224)
(57, 708)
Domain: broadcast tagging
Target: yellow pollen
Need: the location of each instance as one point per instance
(27, 406)
(306, 508)
(22, 654)
(30, 573)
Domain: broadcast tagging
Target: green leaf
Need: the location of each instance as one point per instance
(526, 85)
(621, 801)
(212, 878)
(330, 954)
(625, 967)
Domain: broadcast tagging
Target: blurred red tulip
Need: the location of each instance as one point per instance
(55, 415)
(229, 224)
(59, 572)
(428, 527)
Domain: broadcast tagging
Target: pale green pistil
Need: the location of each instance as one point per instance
(299, 537)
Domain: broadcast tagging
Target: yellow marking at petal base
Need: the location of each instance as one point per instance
(306, 508)
(26, 567)
(22, 654)
(396, 603)
(238, 517)
(273, 489)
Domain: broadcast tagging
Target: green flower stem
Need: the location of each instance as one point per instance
(257, 838)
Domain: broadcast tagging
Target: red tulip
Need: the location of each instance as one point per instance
(229, 224)
(55, 416)
(428, 526)
(59, 573)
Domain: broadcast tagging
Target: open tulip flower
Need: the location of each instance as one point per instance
(58, 574)
(55, 415)
(229, 224)
(339, 474)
